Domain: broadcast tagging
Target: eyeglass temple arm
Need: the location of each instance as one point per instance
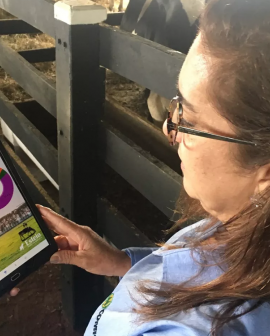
(213, 136)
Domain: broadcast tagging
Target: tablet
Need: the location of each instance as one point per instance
(25, 241)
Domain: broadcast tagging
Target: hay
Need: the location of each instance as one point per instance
(32, 41)
(24, 42)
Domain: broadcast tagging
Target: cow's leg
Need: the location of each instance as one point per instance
(121, 7)
(157, 106)
(111, 5)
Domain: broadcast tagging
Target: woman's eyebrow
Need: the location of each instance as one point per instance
(186, 102)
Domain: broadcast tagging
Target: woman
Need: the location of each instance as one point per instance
(212, 278)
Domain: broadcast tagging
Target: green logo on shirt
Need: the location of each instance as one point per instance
(105, 305)
(107, 302)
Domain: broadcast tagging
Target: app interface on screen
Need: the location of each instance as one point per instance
(20, 235)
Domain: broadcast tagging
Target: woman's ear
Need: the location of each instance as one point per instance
(263, 179)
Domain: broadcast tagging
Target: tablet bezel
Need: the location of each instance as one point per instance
(44, 255)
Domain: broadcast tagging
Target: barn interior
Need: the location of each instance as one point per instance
(125, 111)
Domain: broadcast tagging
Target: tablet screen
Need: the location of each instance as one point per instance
(20, 235)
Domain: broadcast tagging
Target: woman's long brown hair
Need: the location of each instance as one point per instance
(236, 34)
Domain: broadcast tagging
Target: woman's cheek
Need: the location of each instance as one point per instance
(196, 168)
(190, 182)
(190, 141)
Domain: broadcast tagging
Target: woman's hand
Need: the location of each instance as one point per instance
(14, 291)
(82, 247)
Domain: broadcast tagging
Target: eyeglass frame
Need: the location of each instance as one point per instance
(171, 126)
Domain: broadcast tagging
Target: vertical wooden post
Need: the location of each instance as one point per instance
(80, 100)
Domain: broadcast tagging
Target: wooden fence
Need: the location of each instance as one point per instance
(75, 104)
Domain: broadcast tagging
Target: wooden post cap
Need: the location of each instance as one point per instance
(76, 12)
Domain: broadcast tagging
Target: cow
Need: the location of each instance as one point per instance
(26, 233)
(172, 23)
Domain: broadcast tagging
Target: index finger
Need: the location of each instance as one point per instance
(58, 223)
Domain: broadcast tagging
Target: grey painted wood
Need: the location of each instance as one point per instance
(38, 55)
(80, 98)
(144, 62)
(16, 26)
(114, 19)
(37, 13)
(36, 142)
(29, 78)
(118, 229)
(40, 118)
(35, 190)
(152, 178)
(143, 133)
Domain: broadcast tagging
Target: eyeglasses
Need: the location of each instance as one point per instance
(175, 116)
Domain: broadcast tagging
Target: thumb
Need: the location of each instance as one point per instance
(66, 257)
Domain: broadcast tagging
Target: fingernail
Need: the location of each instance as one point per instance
(55, 260)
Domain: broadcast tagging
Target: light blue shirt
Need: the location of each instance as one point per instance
(115, 317)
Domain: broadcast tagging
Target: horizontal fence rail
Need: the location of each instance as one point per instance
(37, 13)
(144, 62)
(16, 26)
(28, 77)
(114, 19)
(38, 194)
(40, 118)
(38, 55)
(152, 178)
(30, 136)
(140, 131)
(118, 229)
